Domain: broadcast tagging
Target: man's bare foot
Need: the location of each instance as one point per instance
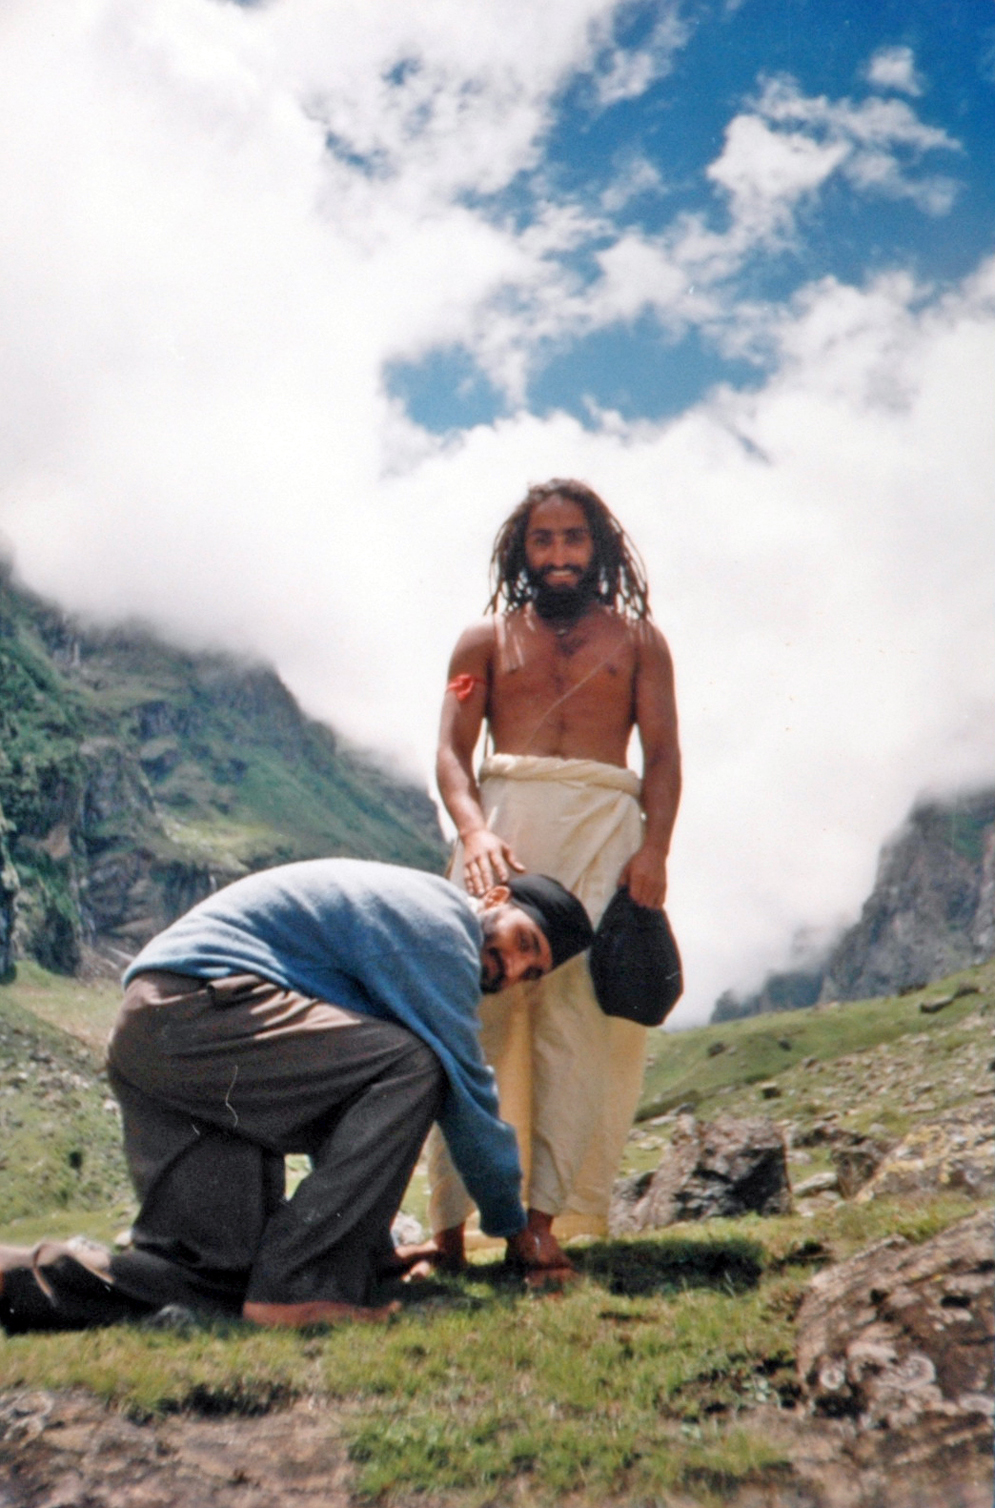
(317, 1312)
(536, 1252)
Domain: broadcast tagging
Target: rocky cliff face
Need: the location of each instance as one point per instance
(135, 778)
(932, 911)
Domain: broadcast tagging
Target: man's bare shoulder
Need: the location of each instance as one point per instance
(647, 638)
(475, 644)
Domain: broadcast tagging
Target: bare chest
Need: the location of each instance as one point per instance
(590, 665)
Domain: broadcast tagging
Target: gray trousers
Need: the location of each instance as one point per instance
(217, 1082)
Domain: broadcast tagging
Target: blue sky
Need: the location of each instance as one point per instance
(931, 64)
(299, 296)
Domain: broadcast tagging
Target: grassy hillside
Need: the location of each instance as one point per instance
(60, 1131)
(135, 777)
(662, 1371)
(876, 1066)
(713, 1067)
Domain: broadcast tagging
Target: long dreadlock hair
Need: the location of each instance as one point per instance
(621, 577)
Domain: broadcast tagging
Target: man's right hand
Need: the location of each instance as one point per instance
(445, 1252)
(487, 860)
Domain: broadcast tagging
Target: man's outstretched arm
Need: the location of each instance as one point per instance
(487, 859)
(656, 718)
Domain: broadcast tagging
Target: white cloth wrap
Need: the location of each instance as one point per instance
(569, 1077)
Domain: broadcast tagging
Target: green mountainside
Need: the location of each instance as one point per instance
(136, 777)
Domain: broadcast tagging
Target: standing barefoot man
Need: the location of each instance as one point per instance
(567, 663)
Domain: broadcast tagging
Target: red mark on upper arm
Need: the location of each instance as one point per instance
(463, 685)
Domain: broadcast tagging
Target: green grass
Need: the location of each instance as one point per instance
(84, 1010)
(640, 1381)
(478, 1385)
(215, 1369)
(681, 1069)
(60, 1140)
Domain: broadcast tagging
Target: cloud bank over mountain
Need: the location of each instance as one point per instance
(299, 297)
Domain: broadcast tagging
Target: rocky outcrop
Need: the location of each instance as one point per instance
(899, 1338)
(856, 1159)
(791, 990)
(67, 1450)
(931, 912)
(932, 909)
(724, 1167)
(9, 886)
(955, 1153)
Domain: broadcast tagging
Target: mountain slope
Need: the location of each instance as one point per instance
(136, 777)
(932, 911)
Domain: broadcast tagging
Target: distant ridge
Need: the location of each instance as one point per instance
(932, 911)
(136, 777)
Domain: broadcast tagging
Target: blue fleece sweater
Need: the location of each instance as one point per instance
(393, 943)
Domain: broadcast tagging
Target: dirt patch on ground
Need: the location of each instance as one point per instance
(68, 1451)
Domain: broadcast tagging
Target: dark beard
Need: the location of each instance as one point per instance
(493, 985)
(558, 605)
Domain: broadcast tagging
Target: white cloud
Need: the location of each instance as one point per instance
(776, 159)
(198, 301)
(883, 124)
(765, 172)
(879, 173)
(426, 95)
(625, 73)
(638, 274)
(895, 68)
(794, 144)
(822, 585)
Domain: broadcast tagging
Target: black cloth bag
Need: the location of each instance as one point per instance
(634, 962)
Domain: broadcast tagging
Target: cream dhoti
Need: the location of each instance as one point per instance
(569, 1076)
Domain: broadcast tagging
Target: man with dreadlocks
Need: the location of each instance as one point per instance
(562, 669)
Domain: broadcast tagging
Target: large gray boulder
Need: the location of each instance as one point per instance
(899, 1339)
(725, 1167)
